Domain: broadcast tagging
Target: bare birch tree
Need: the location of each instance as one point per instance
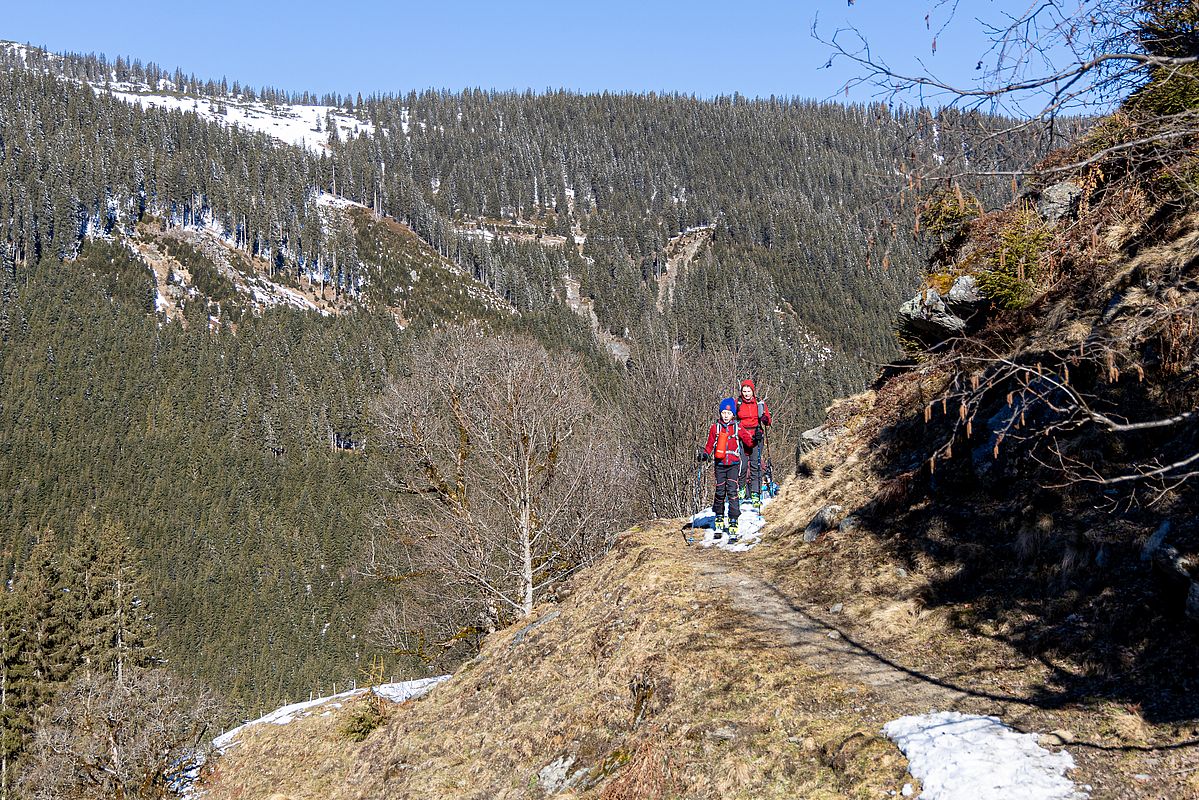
(670, 399)
(504, 479)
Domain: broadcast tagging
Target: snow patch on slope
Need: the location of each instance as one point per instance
(395, 692)
(299, 125)
(968, 757)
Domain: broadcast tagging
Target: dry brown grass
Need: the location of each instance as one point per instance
(654, 686)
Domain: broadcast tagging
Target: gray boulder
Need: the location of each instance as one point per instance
(849, 524)
(825, 519)
(932, 318)
(821, 434)
(1058, 200)
(557, 776)
(964, 297)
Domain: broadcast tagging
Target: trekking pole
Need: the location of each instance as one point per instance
(695, 499)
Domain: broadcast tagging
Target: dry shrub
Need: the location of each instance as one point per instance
(1033, 539)
(132, 738)
(1127, 725)
(902, 616)
(648, 775)
(1178, 340)
(894, 492)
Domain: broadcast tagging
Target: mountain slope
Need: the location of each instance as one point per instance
(646, 678)
(926, 556)
(670, 671)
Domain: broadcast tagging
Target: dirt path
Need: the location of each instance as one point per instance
(823, 646)
(1108, 771)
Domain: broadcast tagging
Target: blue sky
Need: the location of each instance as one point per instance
(701, 47)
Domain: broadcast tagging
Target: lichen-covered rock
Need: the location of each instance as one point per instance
(927, 315)
(1058, 200)
(964, 295)
(814, 437)
(932, 317)
(557, 776)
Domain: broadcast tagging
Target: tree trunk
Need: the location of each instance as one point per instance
(526, 537)
(120, 630)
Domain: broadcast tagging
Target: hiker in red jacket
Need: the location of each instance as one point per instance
(726, 440)
(754, 416)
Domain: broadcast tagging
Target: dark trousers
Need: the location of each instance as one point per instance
(728, 484)
(751, 469)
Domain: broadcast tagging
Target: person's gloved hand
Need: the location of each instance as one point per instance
(757, 436)
(702, 457)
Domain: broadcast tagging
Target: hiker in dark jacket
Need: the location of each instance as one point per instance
(726, 440)
(754, 416)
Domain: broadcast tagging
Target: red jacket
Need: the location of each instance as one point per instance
(737, 435)
(751, 413)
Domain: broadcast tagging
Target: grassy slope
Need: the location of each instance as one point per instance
(668, 671)
(646, 676)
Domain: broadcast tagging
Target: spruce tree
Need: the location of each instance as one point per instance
(42, 614)
(108, 598)
(15, 682)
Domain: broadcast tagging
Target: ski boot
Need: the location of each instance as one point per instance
(755, 500)
(732, 531)
(718, 529)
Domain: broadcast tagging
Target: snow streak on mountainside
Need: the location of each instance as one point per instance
(299, 125)
(304, 126)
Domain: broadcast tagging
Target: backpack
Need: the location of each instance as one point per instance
(723, 435)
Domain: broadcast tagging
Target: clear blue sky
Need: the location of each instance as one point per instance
(696, 46)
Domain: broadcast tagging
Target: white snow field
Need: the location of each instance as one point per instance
(968, 757)
(291, 124)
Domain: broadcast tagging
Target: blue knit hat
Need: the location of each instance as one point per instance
(728, 404)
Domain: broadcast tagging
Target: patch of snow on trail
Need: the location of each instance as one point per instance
(969, 757)
(749, 528)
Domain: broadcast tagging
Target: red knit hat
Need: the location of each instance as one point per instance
(750, 384)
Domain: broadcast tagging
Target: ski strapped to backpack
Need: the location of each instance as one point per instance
(769, 487)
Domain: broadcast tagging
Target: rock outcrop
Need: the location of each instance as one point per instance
(1059, 200)
(931, 317)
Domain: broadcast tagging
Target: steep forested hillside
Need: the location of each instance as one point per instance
(214, 449)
